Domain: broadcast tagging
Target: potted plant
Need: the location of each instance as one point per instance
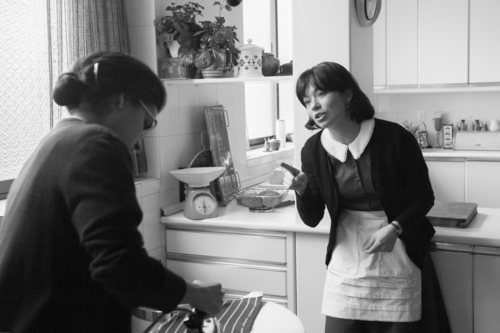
(218, 51)
(177, 39)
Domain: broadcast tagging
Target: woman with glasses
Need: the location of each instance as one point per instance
(71, 256)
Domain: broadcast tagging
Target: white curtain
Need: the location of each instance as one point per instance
(40, 39)
(81, 27)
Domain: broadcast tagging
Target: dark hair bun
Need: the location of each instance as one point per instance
(68, 90)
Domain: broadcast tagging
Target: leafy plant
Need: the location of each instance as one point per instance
(180, 25)
(217, 42)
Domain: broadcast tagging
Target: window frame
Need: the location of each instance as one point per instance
(5, 187)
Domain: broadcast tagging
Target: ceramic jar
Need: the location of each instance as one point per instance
(250, 60)
(270, 64)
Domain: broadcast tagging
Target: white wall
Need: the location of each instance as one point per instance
(455, 106)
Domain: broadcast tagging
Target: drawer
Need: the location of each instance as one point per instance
(265, 247)
(271, 281)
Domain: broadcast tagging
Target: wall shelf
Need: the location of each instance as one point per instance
(229, 80)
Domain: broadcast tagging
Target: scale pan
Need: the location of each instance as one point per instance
(198, 177)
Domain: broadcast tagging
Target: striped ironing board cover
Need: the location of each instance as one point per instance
(236, 316)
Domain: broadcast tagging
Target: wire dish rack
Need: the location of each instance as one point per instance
(262, 198)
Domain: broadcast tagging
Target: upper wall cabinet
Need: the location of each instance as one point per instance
(484, 65)
(429, 43)
(401, 38)
(442, 42)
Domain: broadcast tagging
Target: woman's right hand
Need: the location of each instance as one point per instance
(299, 183)
(205, 297)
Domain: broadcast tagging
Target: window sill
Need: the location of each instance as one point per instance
(259, 156)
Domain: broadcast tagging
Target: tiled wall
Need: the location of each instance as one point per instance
(454, 106)
(178, 136)
(150, 228)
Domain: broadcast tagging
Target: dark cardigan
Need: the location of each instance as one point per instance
(71, 256)
(399, 176)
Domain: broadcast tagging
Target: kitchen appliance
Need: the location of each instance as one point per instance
(477, 140)
(452, 214)
(200, 203)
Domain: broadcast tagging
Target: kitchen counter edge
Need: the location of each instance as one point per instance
(484, 230)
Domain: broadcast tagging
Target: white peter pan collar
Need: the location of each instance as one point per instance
(357, 147)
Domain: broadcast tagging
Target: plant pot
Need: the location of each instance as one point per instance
(174, 68)
(211, 72)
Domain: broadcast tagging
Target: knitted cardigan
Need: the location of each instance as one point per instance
(400, 177)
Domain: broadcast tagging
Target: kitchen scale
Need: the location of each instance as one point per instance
(199, 203)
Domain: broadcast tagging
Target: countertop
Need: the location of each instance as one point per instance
(478, 155)
(484, 230)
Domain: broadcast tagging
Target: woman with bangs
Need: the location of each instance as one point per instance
(371, 177)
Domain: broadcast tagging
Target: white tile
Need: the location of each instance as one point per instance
(208, 94)
(175, 152)
(138, 190)
(152, 229)
(167, 120)
(140, 12)
(152, 147)
(191, 112)
(232, 96)
(237, 144)
(169, 197)
(143, 45)
(151, 187)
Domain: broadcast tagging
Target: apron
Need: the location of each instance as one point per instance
(382, 286)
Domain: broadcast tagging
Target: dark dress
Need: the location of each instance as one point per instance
(401, 182)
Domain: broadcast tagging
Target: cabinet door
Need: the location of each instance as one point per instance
(484, 41)
(483, 183)
(379, 49)
(454, 271)
(311, 271)
(486, 293)
(402, 23)
(443, 41)
(447, 179)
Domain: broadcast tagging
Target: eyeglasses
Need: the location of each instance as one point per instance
(147, 127)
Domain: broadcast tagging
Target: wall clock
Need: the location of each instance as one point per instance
(367, 11)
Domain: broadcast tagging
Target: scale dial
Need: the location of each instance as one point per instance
(204, 204)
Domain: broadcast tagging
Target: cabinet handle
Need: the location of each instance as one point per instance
(493, 251)
(437, 246)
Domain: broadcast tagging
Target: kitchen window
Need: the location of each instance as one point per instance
(268, 23)
(25, 104)
(39, 40)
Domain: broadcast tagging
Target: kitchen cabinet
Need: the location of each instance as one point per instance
(447, 179)
(401, 39)
(465, 180)
(311, 270)
(486, 291)
(242, 261)
(379, 49)
(442, 41)
(484, 53)
(483, 183)
(454, 269)
(427, 43)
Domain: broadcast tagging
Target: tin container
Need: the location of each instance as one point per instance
(250, 60)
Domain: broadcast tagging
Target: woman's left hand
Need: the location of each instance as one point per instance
(383, 240)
